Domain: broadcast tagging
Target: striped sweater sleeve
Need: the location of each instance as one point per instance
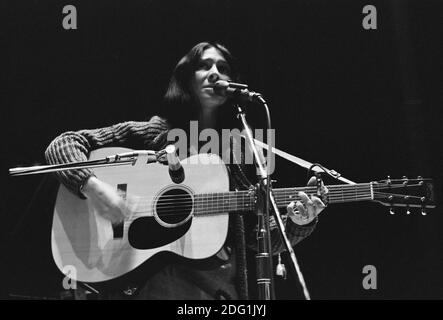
(75, 146)
(294, 232)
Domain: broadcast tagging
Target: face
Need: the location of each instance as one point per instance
(211, 68)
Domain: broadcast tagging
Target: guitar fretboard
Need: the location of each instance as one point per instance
(215, 203)
(222, 202)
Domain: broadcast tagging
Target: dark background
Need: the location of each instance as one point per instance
(367, 103)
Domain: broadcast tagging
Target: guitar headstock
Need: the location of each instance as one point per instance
(406, 193)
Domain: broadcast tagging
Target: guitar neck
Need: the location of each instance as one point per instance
(336, 193)
(213, 203)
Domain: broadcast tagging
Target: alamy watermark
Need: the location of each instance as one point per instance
(69, 281)
(70, 20)
(370, 20)
(231, 145)
(370, 280)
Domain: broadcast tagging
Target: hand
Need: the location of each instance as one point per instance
(304, 211)
(106, 200)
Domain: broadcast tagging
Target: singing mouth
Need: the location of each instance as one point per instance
(208, 89)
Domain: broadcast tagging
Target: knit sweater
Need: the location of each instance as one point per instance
(76, 146)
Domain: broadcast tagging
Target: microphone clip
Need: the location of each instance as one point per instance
(176, 171)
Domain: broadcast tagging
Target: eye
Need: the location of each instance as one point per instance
(224, 68)
(204, 65)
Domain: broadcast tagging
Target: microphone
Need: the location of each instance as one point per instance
(236, 90)
(176, 171)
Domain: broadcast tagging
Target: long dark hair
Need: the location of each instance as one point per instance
(179, 105)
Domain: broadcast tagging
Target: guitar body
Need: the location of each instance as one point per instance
(101, 251)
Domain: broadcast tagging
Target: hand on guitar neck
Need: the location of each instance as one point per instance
(106, 200)
(305, 211)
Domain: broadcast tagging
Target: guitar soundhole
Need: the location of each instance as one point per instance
(174, 206)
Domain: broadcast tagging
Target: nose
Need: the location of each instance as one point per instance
(214, 74)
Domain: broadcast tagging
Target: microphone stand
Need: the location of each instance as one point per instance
(264, 251)
(132, 158)
(265, 198)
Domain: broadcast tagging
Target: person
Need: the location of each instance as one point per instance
(191, 89)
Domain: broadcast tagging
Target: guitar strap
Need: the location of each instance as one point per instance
(302, 163)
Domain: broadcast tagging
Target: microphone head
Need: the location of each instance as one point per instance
(221, 84)
(223, 87)
(235, 90)
(229, 84)
(220, 87)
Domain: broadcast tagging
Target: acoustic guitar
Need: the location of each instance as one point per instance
(189, 219)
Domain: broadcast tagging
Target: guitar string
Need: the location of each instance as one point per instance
(225, 201)
(278, 192)
(217, 201)
(336, 187)
(217, 211)
(222, 209)
(334, 195)
(350, 187)
(164, 208)
(227, 207)
(236, 195)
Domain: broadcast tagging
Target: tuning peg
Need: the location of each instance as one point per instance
(423, 210)
(405, 180)
(391, 209)
(420, 181)
(407, 205)
(388, 180)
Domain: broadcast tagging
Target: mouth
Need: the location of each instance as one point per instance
(208, 89)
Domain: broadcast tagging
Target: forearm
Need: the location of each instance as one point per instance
(294, 232)
(76, 146)
(66, 148)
